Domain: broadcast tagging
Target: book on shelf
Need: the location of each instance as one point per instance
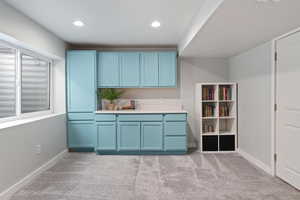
(208, 128)
(208, 93)
(224, 110)
(225, 93)
(208, 110)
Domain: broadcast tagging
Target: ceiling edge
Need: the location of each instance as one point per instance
(206, 11)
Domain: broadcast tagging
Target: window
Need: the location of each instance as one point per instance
(7, 82)
(24, 83)
(34, 84)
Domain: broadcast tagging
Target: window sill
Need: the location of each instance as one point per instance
(19, 122)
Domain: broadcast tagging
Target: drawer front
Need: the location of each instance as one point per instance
(175, 128)
(80, 116)
(140, 118)
(175, 143)
(105, 117)
(175, 117)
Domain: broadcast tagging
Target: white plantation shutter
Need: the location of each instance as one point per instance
(35, 77)
(7, 82)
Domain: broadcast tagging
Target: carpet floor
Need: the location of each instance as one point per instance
(86, 176)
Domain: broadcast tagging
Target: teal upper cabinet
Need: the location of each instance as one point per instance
(149, 69)
(167, 69)
(81, 81)
(129, 69)
(108, 69)
(137, 69)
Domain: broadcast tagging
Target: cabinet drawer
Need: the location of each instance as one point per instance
(175, 128)
(80, 116)
(175, 143)
(105, 117)
(140, 118)
(175, 117)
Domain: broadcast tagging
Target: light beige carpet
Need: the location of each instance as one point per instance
(86, 176)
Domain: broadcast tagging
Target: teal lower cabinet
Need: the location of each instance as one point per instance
(129, 136)
(81, 135)
(132, 134)
(106, 136)
(151, 136)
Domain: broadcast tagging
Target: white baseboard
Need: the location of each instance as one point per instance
(256, 162)
(10, 191)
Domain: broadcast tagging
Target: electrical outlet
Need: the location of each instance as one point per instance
(38, 149)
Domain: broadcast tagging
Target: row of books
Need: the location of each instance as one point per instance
(208, 110)
(225, 93)
(208, 93)
(224, 110)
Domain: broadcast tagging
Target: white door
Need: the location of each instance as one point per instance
(288, 113)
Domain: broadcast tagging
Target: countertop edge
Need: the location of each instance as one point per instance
(139, 112)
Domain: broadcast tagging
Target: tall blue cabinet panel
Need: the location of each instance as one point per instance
(129, 136)
(106, 136)
(149, 69)
(81, 87)
(108, 69)
(152, 136)
(81, 134)
(130, 69)
(167, 69)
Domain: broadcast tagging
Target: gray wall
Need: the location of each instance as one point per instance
(17, 143)
(252, 71)
(197, 71)
(18, 148)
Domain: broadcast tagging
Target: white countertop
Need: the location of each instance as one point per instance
(139, 111)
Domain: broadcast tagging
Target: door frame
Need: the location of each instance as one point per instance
(274, 99)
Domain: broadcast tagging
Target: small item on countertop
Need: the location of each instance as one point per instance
(131, 106)
(132, 103)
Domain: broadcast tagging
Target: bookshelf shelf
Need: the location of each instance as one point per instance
(209, 101)
(216, 111)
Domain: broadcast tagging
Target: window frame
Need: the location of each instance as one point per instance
(19, 115)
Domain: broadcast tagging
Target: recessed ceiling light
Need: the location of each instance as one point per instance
(78, 23)
(155, 24)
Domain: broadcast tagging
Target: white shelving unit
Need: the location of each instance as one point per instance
(216, 115)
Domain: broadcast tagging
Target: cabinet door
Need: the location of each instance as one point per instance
(108, 69)
(130, 69)
(106, 136)
(129, 136)
(81, 81)
(152, 136)
(149, 69)
(167, 69)
(81, 134)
